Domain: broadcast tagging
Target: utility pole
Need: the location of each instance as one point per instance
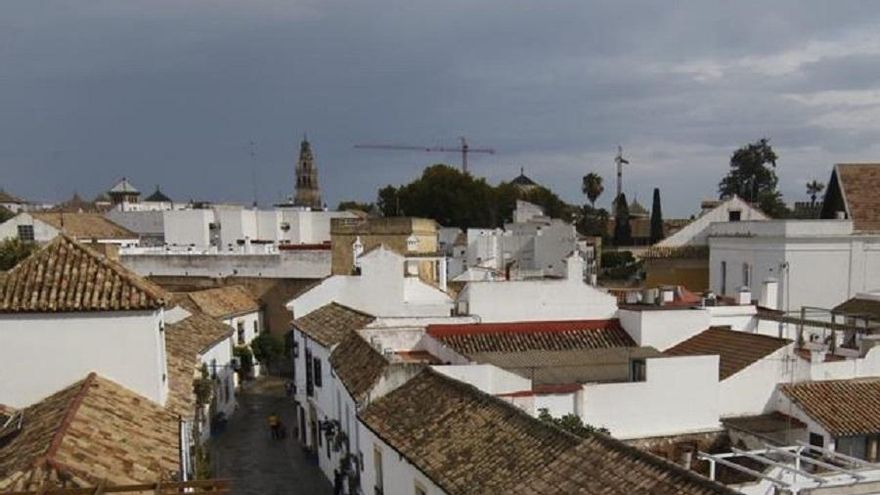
(253, 154)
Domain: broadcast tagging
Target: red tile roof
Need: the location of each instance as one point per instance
(860, 183)
(736, 350)
(843, 407)
(475, 338)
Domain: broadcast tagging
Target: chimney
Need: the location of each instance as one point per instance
(575, 267)
(817, 355)
(109, 251)
(667, 295)
(744, 296)
(769, 293)
(840, 215)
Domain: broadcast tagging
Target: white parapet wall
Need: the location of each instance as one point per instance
(284, 264)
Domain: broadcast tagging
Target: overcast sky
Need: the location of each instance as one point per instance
(170, 92)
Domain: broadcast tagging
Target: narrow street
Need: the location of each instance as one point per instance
(257, 464)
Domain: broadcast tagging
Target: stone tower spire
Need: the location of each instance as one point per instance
(308, 193)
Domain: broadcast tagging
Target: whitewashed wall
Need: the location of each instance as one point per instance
(750, 391)
(663, 328)
(185, 227)
(220, 354)
(539, 300)
(680, 395)
(45, 352)
(486, 377)
(399, 475)
(379, 290)
(43, 232)
(696, 233)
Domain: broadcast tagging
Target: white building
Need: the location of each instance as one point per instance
(42, 227)
(12, 203)
(818, 263)
(533, 245)
(199, 342)
(384, 287)
(67, 311)
(569, 298)
(696, 233)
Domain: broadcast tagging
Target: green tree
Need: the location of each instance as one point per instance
(752, 176)
(571, 423)
(592, 187)
(593, 221)
(388, 201)
(622, 227)
(245, 361)
(354, 205)
(267, 348)
(656, 218)
(814, 189)
(5, 214)
(13, 250)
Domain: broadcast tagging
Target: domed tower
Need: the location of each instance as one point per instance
(308, 193)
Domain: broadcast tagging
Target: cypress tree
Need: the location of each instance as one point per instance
(622, 228)
(656, 219)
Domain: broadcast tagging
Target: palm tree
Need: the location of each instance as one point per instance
(814, 188)
(592, 187)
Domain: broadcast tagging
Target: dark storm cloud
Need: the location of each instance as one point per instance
(170, 92)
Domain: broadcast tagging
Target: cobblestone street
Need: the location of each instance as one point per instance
(257, 464)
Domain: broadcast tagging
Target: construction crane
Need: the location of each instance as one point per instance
(464, 149)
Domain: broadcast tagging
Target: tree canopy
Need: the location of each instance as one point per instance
(592, 187)
(453, 198)
(13, 250)
(5, 214)
(752, 176)
(622, 227)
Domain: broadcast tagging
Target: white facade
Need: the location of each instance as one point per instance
(570, 298)
(750, 390)
(532, 246)
(663, 328)
(44, 232)
(382, 289)
(679, 395)
(227, 228)
(696, 233)
(45, 352)
(817, 262)
(398, 476)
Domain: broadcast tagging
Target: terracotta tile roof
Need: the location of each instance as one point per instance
(468, 442)
(67, 276)
(860, 307)
(89, 431)
(736, 350)
(330, 324)
(472, 338)
(860, 183)
(357, 364)
(843, 407)
(84, 225)
(224, 302)
(185, 340)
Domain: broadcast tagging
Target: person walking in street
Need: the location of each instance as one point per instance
(274, 422)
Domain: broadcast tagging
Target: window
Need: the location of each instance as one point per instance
(817, 440)
(637, 370)
(317, 364)
(26, 233)
(746, 277)
(734, 216)
(420, 490)
(256, 327)
(723, 278)
(377, 468)
(240, 333)
(310, 375)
